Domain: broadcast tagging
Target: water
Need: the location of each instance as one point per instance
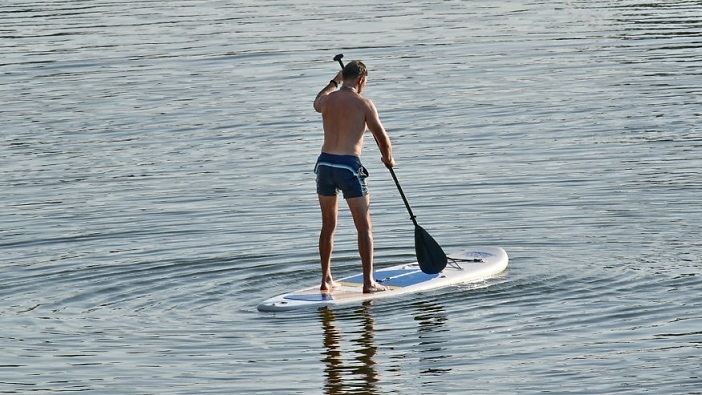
(156, 181)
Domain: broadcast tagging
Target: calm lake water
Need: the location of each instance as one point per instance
(156, 185)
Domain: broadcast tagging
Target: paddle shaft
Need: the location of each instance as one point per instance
(404, 198)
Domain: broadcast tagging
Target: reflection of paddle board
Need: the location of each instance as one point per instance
(471, 265)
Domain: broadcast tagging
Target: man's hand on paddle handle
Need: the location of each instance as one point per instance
(388, 162)
(338, 78)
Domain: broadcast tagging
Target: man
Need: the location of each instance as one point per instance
(345, 116)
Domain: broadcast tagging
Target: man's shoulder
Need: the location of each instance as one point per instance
(368, 102)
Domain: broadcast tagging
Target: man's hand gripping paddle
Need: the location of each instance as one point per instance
(430, 255)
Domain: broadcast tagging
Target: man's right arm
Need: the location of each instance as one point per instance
(331, 87)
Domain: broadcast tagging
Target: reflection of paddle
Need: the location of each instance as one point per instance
(430, 255)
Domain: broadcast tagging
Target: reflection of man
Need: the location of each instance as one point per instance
(336, 370)
(345, 116)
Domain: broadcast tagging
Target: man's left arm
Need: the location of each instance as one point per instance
(380, 135)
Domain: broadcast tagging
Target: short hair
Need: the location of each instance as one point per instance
(354, 69)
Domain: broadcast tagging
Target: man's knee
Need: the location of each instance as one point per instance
(328, 227)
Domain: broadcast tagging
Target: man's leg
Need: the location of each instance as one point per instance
(329, 207)
(360, 211)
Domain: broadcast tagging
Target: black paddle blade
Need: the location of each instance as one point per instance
(430, 255)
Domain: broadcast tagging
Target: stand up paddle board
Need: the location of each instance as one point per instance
(471, 265)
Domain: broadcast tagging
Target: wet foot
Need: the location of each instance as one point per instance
(374, 288)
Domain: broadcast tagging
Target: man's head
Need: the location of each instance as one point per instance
(355, 75)
(353, 70)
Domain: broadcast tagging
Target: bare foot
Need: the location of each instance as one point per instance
(330, 286)
(374, 288)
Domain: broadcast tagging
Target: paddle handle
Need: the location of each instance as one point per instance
(404, 198)
(338, 59)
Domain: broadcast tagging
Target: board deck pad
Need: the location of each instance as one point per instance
(394, 277)
(471, 265)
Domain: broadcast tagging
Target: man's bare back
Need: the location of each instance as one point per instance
(344, 122)
(345, 116)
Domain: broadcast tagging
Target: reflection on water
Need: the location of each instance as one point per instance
(431, 320)
(355, 368)
(360, 375)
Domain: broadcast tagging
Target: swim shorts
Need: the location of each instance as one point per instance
(343, 173)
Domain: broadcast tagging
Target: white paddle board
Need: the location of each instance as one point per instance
(471, 265)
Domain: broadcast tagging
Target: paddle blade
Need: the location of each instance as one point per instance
(430, 255)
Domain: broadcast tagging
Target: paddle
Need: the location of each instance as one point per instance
(430, 255)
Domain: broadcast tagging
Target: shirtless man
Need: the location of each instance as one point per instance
(345, 116)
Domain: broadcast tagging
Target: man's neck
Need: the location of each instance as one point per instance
(351, 88)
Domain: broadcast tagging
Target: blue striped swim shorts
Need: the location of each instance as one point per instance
(343, 173)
